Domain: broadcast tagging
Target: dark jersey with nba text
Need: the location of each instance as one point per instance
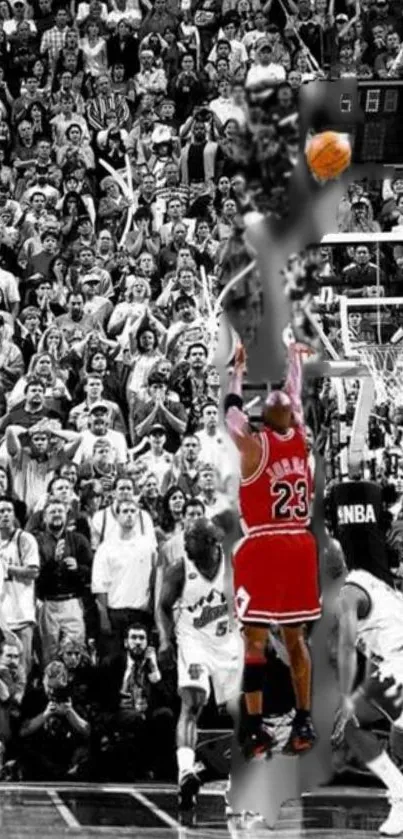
(356, 512)
(277, 496)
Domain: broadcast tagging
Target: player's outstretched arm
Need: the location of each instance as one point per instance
(293, 383)
(236, 421)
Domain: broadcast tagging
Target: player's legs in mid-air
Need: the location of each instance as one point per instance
(302, 736)
(254, 739)
(276, 580)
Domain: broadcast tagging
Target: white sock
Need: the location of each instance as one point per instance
(186, 759)
(387, 772)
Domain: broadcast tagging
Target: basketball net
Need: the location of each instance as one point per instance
(385, 363)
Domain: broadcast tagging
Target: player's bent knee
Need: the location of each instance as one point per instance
(364, 745)
(192, 701)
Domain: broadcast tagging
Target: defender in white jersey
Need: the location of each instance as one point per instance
(370, 617)
(194, 605)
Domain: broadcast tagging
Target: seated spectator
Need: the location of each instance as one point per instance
(80, 675)
(54, 737)
(136, 710)
(361, 272)
(360, 218)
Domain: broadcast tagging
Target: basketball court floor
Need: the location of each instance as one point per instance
(149, 812)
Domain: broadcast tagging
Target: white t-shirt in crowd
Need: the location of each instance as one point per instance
(105, 526)
(17, 598)
(123, 569)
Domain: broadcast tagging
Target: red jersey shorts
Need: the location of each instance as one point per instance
(276, 578)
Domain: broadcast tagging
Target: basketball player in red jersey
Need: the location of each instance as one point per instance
(276, 564)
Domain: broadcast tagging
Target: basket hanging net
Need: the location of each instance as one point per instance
(385, 363)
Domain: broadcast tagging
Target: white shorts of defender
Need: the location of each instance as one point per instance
(202, 663)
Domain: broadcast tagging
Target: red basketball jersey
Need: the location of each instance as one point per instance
(277, 495)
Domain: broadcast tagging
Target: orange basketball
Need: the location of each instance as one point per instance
(328, 154)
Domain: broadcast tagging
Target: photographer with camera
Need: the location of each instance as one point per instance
(53, 736)
(135, 711)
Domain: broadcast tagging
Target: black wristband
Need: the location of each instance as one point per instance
(232, 400)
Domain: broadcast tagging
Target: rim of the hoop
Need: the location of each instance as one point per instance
(380, 347)
(369, 352)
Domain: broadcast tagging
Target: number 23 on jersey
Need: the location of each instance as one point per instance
(290, 500)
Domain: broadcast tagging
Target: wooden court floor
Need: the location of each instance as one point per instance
(149, 812)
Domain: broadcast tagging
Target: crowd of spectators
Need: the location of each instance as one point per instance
(134, 135)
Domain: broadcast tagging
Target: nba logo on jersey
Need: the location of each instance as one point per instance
(356, 514)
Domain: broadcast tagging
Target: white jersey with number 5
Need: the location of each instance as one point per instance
(380, 633)
(203, 607)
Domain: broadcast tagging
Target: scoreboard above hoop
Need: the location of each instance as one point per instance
(378, 136)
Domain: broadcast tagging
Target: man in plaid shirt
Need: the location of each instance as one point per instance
(53, 39)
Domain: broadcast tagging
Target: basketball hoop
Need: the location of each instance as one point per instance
(385, 363)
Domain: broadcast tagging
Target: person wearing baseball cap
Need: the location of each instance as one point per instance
(99, 428)
(99, 407)
(157, 429)
(95, 304)
(264, 74)
(157, 460)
